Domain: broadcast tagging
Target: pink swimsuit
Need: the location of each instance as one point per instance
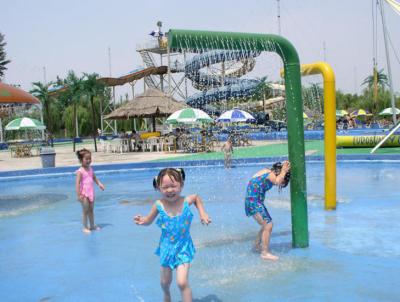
(86, 185)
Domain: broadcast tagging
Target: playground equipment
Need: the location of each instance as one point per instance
(330, 126)
(191, 40)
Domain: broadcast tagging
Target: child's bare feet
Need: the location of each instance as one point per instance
(95, 228)
(269, 256)
(86, 231)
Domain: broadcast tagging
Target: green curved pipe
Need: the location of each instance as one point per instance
(207, 40)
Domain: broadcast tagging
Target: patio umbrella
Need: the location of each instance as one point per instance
(189, 116)
(235, 115)
(25, 123)
(13, 95)
(389, 111)
(360, 112)
(305, 115)
(341, 112)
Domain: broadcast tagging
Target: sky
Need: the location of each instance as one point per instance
(47, 38)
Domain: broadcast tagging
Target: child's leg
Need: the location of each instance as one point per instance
(266, 230)
(91, 217)
(85, 213)
(257, 243)
(166, 279)
(182, 279)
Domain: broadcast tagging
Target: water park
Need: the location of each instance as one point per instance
(202, 101)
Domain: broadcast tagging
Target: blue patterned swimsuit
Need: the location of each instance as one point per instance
(176, 245)
(255, 195)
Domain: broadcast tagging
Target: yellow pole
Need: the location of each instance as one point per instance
(330, 127)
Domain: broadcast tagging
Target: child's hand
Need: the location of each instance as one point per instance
(205, 219)
(286, 166)
(81, 197)
(139, 219)
(101, 186)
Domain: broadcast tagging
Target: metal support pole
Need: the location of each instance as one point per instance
(169, 69)
(41, 119)
(388, 64)
(1, 132)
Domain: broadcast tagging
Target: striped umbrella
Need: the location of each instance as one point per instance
(25, 123)
(341, 112)
(235, 116)
(361, 112)
(189, 116)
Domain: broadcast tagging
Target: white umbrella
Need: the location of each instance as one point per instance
(189, 116)
(389, 111)
(25, 123)
(235, 116)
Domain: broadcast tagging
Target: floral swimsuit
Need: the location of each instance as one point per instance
(255, 195)
(176, 245)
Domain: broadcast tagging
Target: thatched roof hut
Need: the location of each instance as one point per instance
(152, 103)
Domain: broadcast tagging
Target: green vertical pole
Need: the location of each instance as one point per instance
(191, 39)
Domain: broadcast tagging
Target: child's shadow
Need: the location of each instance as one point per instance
(209, 298)
(104, 225)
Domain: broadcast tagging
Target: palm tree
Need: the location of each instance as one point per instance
(41, 91)
(3, 61)
(381, 78)
(74, 91)
(92, 88)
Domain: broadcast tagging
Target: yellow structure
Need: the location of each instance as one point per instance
(330, 127)
(146, 135)
(363, 141)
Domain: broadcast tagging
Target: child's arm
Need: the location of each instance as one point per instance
(204, 218)
(78, 185)
(146, 220)
(101, 186)
(279, 179)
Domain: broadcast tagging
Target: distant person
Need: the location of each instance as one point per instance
(227, 148)
(85, 178)
(259, 184)
(137, 140)
(176, 249)
(122, 134)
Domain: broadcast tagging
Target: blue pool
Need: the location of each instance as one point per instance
(354, 252)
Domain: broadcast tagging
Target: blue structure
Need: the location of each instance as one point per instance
(225, 86)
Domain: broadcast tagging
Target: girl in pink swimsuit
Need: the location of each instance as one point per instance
(85, 178)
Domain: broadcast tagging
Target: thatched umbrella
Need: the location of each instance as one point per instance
(152, 103)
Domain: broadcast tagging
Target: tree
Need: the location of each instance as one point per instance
(382, 80)
(3, 60)
(73, 92)
(92, 88)
(41, 91)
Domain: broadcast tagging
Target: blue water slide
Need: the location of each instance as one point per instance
(225, 86)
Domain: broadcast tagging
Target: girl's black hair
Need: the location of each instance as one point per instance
(81, 153)
(177, 174)
(277, 168)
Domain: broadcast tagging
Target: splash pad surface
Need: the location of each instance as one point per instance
(354, 252)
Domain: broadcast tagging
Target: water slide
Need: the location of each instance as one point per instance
(136, 74)
(224, 82)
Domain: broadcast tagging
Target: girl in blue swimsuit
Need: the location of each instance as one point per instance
(259, 184)
(176, 249)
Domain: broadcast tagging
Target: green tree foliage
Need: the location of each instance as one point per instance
(3, 56)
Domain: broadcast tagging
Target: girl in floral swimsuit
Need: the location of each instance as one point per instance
(258, 185)
(176, 248)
